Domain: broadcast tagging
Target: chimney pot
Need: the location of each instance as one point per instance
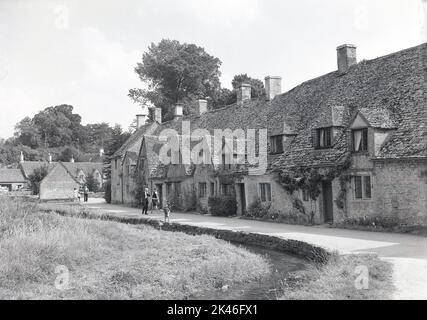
(177, 112)
(72, 159)
(158, 115)
(202, 106)
(21, 157)
(243, 92)
(273, 87)
(50, 158)
(346, 57)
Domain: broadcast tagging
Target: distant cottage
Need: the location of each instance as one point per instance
(350, 143)
(62, 177)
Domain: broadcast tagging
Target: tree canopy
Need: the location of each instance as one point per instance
(176, 72)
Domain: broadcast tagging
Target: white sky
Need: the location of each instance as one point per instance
(83, 52)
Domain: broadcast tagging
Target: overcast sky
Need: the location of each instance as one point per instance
(83, 53)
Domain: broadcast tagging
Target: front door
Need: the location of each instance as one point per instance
(242, 196)
(159, 188)
(328, 213)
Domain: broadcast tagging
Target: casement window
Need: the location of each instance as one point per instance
(226, 189)
(360, 139)
(202, 189)
(305, 195)
(323, 138)
(276, 144)
(212, 191)
(169, 189)
(177, 188)
(265, 192)
(362, 187)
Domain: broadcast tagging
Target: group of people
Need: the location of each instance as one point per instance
(154, 199)
(79, 192)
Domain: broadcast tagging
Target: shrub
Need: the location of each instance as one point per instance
(223, 206)
(258, 209)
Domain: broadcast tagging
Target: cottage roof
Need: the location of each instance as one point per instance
(28, 167)
(11, 175)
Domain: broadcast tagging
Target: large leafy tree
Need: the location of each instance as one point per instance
(257, 86)
(176, 72)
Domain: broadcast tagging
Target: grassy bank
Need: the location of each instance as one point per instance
(340, 279)
(108, 260)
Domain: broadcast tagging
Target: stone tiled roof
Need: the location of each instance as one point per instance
(134, 142)
(88, 168)
(390, 92)
(11, 175)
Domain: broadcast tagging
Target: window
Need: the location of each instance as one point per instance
(115, 164)
(276, 144)
(226, 189)
(360, 140)
(177, 188)
(305, 195)
(169, 189)
(202, 189)
(226, 165)
(323, 138)
(212, 189)
(362, 187)
(265, 190)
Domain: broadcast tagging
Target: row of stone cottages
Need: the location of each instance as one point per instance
(61, 179)
(350, 143)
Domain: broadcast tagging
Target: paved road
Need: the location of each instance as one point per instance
(408, 253)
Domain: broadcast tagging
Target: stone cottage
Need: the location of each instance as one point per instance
(75, 172)
(123, 161)
(12, 179)
(350, 143)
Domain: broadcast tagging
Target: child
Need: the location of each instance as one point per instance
(167, 212)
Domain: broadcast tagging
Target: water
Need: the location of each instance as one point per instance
(282, 265)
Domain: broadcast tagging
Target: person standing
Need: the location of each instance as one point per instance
(76, 195)
(145, 201)
(86, 193)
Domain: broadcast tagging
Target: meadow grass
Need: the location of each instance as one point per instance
(109, 260)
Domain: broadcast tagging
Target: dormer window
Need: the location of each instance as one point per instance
(276, 144)
(323, 138)
(360, 140)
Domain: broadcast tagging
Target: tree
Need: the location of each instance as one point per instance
(27, 133)
(175, 72)
(91, 183)
(36, 177)
(257, 86)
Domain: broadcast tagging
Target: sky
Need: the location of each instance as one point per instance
(84, 53)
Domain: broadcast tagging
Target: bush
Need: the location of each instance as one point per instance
(222, 206)
(107, 194)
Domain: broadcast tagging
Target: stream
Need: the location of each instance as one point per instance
(282, 264)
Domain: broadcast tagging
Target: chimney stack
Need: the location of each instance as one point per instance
(50, 158)
(273, 87)
(72, 159)
(158, 115)
(243, 92)
(142, 118)
(202, 106)
(21, 158)
(346, 57)
(177, 110)
(101, 152)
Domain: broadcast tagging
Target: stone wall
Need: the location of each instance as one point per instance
(400, 189)
(58, 185)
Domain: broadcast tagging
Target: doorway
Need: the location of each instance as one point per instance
(159, 188)
(242, 196)
(328, 213)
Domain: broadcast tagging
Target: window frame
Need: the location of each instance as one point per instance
(327, 138)
(264, 195)
(276, 144)
(203, 189)
(364, 142)
(362, 187)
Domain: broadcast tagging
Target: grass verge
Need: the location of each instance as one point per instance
(345, 277)
(108, 260)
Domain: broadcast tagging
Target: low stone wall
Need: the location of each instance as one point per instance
(298, 248)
